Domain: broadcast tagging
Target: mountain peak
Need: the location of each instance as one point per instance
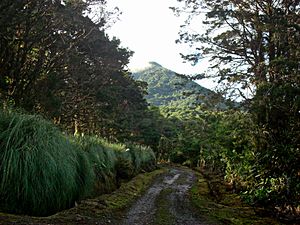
(167, 88)
(155, 64)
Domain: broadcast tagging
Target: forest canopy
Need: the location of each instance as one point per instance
(254, 45)
(58, 62)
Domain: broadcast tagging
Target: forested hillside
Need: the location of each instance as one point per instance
(167, 88)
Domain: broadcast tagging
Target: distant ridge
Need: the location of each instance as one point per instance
(167, 88)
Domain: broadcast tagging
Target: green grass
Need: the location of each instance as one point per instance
(143, 158)
(95, 210)
(114, 161)
(125, 166)
(103, 162)
(39, 166)
(229, 209)
(43, 171)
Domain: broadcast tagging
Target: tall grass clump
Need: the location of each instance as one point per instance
(125, 166)
(41, 172)
(143, 158)
(113, 161)
(103, 160)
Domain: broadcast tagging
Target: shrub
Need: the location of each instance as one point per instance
(143, 158)
(40, 172)
(125, 166)
(112, 162)
(103, 161)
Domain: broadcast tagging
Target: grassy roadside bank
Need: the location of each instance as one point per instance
(44, 171)
(218, 206)
(105, 209)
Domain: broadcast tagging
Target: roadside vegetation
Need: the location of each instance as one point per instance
(215, 202)
(253, 47)
(77, 101)
(227, 143)
(44, 171)
(108, 208)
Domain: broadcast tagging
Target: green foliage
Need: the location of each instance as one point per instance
(39, 170)
(254, 45)
(166, 88)
(103, 160)
(143, 158)
(229, 142)
(125, 167)
(113, 161)
(223, 207)
(71, 72)
(42, 171)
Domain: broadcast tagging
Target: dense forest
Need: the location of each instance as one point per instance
(59, 64)
(252, 45)
(68, 100)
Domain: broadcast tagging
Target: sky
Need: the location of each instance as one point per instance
(149, 28)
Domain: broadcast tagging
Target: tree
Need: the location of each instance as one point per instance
(58, 62)
(243, 38)
(255, 45)
(26, 56)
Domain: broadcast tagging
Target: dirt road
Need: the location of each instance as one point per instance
(166, 201)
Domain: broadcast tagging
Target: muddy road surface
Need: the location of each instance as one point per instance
(166, 201)
(161, 197)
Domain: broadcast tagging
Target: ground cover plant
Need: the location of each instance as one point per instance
(43, 171)
(38, 166)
